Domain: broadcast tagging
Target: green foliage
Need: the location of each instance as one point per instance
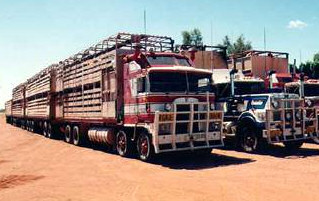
(316, 58)
(311, 68)
(186, 38)
(193, 37)
(240, 45)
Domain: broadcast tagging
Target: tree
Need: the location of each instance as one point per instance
(239, 46)
(306, 68)
(193, 37)
(316, 58)
(187, 40)
(311, 68)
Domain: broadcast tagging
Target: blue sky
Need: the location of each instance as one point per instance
(37, 33)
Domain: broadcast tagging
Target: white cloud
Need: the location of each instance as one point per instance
(297, 24)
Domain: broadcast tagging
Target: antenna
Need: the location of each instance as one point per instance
(144, 21)
(211, 32)
(265, 57)
(211, 43)
(264, 38)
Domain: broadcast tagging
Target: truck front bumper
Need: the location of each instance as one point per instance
(187, 130)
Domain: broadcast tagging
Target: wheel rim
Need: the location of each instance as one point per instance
(76, 136)
(121, 143)
(249, 141)
(45, 130)
(144, 147)
(49, 131)
(32, 126)
(68, 134)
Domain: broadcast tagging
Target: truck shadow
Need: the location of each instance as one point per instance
(281, 152)
(184, 160)
(191, 161)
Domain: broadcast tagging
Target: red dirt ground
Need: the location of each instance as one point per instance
(35, 168)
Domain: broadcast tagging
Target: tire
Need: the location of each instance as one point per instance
(247, 138)
(27, 125)
(123, 144)
(68, 134)
(45, 129)
(293, 145)
(32, 126)
(145, 148)
(77, 136)
(50, 133)
(22, 125)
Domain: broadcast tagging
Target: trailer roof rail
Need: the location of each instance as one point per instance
(260, 53)
(201, 47)
(123, 41)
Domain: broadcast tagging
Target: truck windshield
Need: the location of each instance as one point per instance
(310, 89)
(241, 88)
(179, 82)
(167, 60)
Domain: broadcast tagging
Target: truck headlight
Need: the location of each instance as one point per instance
(275, 104)
(288, 116)
(168, 106)
(298, 115)
(261, 116)
(308, 103)
(212, 106)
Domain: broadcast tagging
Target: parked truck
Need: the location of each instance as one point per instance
(309, 90)
(254, 116)
(8, 111)
(130, 92)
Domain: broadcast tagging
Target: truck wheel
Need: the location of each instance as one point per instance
(123, 144)
(67, 134)
(248, 138)
(45, 129)
(77, 137)
(144, 147)
(293, 145)
(49, 131)
(32, 126)
(22, 124)
(27, 125)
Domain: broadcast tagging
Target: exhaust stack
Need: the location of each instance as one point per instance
(271, 81)
(302, 85)
(232, 81)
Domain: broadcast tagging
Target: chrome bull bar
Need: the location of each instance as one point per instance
(190, 126)
(291, 121)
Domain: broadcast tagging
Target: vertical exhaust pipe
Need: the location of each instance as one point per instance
(302, 85)
(232, 81)
(271, 81)
(294, 71)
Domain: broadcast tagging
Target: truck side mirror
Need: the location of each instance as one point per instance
(140, 85)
